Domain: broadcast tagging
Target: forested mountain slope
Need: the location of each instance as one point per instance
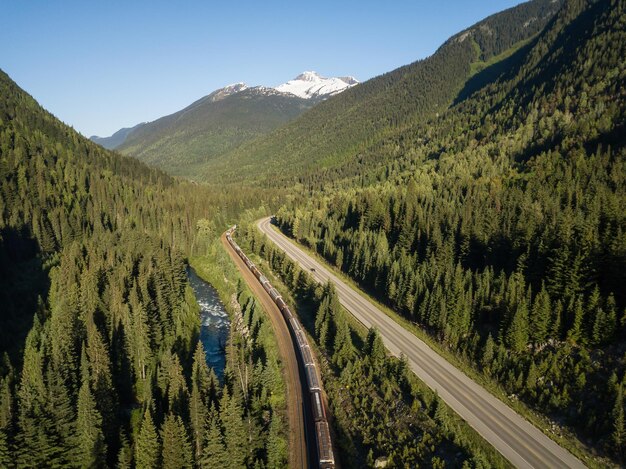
(116, 139)
(341, 127)
(101, 363)
(500, 225)
(182, 142)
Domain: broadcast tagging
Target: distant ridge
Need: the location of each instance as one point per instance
(116, 139)
(217, 123)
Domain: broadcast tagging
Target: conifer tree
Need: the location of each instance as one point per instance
(234, 429)
(176, 452)
(517, 333)
(343, 350)
(125, 454)
(214, 453)
(147, 446)
(90, 446)
(276, 445)
(575, 332)
(198, 406)
(488, 353)
(540, 317)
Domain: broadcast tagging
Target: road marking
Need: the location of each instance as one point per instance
(514, 437)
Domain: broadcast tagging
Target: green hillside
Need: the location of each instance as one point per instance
(182, 142)
(339, 129)
(100, 361)
(499, 226)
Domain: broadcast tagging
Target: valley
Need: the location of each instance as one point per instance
(446, 239)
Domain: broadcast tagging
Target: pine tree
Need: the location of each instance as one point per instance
(147, 446)
(125, 454)
(63, 419)
(517, 333)
(90, 446)
(343, 348)
(575, 332)
(488, 353)
(375, 348)
(214, 453)
(198, 401)
(540, 317)
(276, 445)
(176, 452)
(234, 430)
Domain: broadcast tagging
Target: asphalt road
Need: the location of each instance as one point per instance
(516, 439)
(299, 425)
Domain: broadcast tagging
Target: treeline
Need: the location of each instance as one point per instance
(380, 412)
(500, 226)
(101, 363)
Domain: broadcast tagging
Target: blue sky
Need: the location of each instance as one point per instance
(103, 65)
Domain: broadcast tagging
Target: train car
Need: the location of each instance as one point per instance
(255, 270)
(324, 445)
(263, 279)
(294, 324)
(318, 406)
(274, 294)
(307, 357)
(288, 314)
(311, 377)
(300, 338)
(281, 304)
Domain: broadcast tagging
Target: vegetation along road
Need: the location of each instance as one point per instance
(298, 456)
(520, 442)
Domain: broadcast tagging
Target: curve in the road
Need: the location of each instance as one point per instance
(515, 438)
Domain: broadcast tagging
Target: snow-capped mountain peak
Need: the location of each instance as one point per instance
(227, 91)
(310, 84)
(309, 76)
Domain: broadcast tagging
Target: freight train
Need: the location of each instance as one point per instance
(325, 455)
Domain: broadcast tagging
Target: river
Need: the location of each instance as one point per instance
(215, 323)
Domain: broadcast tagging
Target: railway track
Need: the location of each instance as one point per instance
(524, 445)
(309, 400)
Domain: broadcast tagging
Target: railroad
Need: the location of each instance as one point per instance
(325, 456)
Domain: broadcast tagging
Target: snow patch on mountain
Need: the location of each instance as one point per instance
(227, 91)
(309, 85)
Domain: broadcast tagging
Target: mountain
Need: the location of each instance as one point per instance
(116, 139)
(340, 128)
(183, 142)
(497, 223)
(310, 85)
(95, 304)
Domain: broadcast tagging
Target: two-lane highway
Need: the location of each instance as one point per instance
(516, 439)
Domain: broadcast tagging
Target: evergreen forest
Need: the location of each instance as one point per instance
(500, 226)
(479, 194)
